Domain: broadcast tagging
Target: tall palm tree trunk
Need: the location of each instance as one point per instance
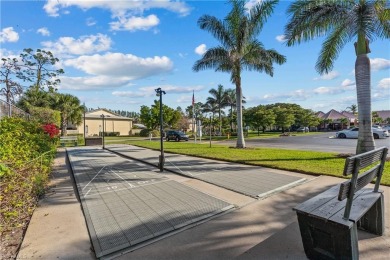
(231, 119)
(240, 132)
(363, 78)
(64, 125)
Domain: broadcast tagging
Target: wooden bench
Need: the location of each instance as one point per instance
(68, 139)
(329, 221)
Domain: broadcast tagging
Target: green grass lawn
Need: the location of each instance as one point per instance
(309, 162)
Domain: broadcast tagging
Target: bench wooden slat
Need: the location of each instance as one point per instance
(363, 203)
(331, 208)
(317, 201)
(363, 179)
(366, 160)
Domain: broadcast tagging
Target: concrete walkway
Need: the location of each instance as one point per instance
(258, 229)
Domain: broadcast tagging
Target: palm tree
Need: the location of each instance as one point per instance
(218, 98)
(210, 107)
(230, 98)
(353, 109)
(343, 21)
(239, 47)
(70, 108)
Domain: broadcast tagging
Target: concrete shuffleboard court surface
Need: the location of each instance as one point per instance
(127, 204)
(253, 181)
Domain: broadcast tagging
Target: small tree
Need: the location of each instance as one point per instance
(39, 68)
(9, 73)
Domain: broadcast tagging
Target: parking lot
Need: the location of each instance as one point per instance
(325, 142)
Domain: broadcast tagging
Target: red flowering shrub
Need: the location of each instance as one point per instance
(51, 130)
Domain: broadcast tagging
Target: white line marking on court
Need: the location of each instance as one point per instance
(179, 168)
(94, 177)
(131, 185)
(86, 194)
(135, 187)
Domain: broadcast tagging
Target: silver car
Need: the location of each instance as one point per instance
(354, 132)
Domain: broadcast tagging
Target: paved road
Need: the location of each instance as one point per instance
(320, 142)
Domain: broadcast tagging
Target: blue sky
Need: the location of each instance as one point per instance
(116, 53)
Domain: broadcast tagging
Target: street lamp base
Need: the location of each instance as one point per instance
(161, 161)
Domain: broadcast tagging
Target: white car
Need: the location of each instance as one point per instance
(354, 132)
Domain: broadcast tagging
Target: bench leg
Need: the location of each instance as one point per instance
(327, 240)
(373, 220)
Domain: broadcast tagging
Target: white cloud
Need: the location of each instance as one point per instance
(182, 55)
(384, 83)
(84, 45)
(121, 65)
(281, 38)
(379, 64)
(252, 3)
(296, 95)
(117, 8)
(380, 95)
(201, 49)
(90, 21)
(331, 75)
(347, 82)
(93, 83)
(8, 54)
(328, 90)
(9, 35)
(150, 91)
(43, 31)
(135, 23)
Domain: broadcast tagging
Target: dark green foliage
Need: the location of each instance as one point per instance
(26, 154)
(146, 132)
(111, 133)
(46, 115)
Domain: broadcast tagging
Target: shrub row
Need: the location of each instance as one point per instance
(26, 155)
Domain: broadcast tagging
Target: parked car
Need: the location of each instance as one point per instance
(303, 129)
(383, 128)
(354, 132)
(386, 127)
(176, 135)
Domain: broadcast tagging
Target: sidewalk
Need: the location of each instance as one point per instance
(265, 229)
(57, 228)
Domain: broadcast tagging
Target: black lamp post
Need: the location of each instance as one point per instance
(210, 130)
(161, 158)
(102, 116)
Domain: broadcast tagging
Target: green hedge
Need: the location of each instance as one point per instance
(26, 155)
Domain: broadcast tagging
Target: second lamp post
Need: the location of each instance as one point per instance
(161, 158)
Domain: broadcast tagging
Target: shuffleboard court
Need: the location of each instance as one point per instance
(252, 181)
(126, 203)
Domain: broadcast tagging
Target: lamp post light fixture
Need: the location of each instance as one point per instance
(161, 158)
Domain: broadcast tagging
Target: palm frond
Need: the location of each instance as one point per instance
(216, 27)
(382, 25)
(259, 59)
(259, 15)
(311, 19)
(214, 58)
(331, 49)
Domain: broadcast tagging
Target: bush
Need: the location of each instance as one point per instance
(45, 115)
(111, 133)
(146, 132)
(26, 154)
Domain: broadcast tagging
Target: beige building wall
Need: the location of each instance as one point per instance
(112, 123)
